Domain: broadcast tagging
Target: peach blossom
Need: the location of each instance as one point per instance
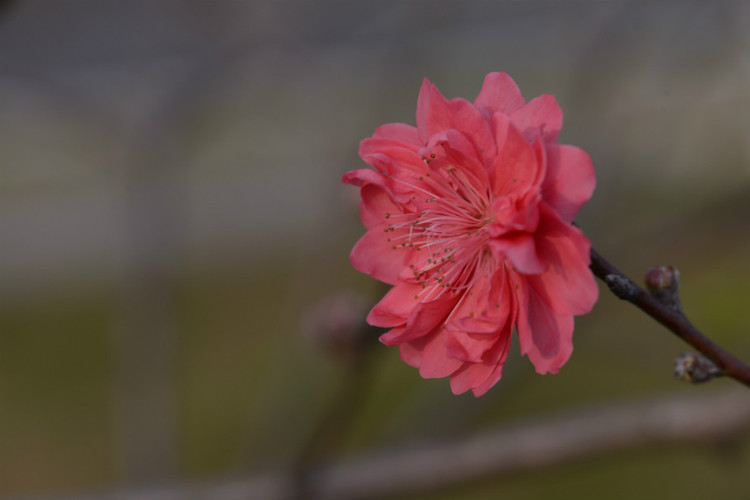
(469, 216)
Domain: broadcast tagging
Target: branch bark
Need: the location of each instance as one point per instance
(673, 319)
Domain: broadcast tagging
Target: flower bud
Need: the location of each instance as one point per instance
(336, 323)
(663, 282)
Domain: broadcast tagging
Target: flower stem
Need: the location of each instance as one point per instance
(673, 319)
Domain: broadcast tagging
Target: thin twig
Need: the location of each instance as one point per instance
(674, 320)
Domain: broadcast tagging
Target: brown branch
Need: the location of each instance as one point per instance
(671, 317)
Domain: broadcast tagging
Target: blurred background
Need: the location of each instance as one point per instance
(173, 227)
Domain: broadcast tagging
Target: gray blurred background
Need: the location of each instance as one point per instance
(171, 212)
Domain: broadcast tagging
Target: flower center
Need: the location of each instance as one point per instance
(449, 233)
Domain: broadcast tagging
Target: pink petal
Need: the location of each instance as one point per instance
(541, 114)
(423, 318)
(546, 337)
(486, 309)
(453, 148)
(499, 94)
(515, 168)
(362, 176)
(428, 316)
(403, 154)
(568, 285)
(436, 114)
(393, 333)
(412, 353)
(520, 249)
(394, 308)
(428, 354)
(494, 378)
(570, 180)
(470, 375)
(487, 303)
(514, 214)
(373, 254)
(435, 360)
(399, 167)
(469, 347)
(399, 131)
(480, 377)
(376, 206)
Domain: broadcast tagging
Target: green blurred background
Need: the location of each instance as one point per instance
(171, 211)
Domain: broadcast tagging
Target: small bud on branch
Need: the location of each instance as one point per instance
(663, 282)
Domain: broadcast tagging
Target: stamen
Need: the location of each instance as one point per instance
(451, 227)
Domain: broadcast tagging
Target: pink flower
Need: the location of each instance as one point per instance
(469, 216)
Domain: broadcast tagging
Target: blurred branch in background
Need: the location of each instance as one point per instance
(542, 442)
(335, 325)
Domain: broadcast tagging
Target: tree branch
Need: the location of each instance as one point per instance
(671, 317)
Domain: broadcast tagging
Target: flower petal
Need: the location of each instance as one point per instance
(429, 355)
(424, 318)
(470, 375)
(546, 337)
(520, 250)
(365, 176)
(398, 168)
(395, 307)
(499, 94)
(540, 115)
(480, 377)
(570, 180)
(467, 346)
(515, 169)
(486, 309)
(373, 254)
(436, 114)
(400, 152)
(567, 285)
(362, 176)
(376, 206)
(452, 148)
(493, 379)
(401, 132)
(435, 362)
